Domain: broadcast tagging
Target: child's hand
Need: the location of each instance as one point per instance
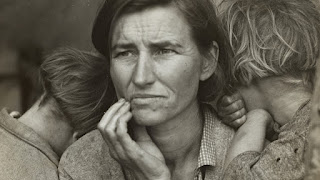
(232, 110)
(251, 135)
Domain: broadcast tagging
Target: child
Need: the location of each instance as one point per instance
(74, 83)
(275, 45)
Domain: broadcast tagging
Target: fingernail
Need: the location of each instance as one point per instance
(121, 100)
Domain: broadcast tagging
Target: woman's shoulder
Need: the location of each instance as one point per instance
(89, 158)
(87, 146)
(211, 116)
(221, 133)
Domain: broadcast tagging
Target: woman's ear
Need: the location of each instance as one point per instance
(210, 62)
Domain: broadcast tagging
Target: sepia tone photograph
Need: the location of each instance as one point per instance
(160, 90)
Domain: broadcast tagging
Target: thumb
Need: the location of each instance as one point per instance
(139, 132)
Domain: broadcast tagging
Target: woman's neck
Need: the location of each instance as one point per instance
(278, 95)
(179, 139)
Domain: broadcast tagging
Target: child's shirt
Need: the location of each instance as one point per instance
(282, 158)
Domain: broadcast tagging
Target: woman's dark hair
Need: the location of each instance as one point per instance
(80, 84)
(202, 18)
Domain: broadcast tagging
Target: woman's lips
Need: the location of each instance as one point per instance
(144, 99)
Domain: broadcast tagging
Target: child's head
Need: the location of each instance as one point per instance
(78, 86)
(272, 38)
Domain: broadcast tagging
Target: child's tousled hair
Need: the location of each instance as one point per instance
(272, 38)
(80, 85)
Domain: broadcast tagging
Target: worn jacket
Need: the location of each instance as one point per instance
(24, 155)
(282, 159)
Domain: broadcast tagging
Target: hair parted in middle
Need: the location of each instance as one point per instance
(272, 38)
(202, 19)
(79, 83)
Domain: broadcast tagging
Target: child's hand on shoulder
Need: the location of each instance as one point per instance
(231, 109)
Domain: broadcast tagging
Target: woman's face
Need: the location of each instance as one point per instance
(155, 64)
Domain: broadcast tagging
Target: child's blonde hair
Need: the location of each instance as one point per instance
(272, 38)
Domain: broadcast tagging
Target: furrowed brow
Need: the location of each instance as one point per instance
(123, 46)
(165, 44)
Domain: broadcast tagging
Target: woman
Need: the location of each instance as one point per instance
(165, 61)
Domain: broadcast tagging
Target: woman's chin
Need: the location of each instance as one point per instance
(147, 118)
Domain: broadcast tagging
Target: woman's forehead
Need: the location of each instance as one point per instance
(152, 24)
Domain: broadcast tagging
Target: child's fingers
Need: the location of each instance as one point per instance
(234, 116)
(236, 106)
(224, 101)
(239, 122)
(229, 99)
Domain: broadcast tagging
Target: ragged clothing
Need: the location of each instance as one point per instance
(23, 153)
(282, 159)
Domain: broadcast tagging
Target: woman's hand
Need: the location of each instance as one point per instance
(232, 110)
(142, 156)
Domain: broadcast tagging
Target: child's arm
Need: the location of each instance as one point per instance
(251, 135)
(232, 112)
(281, 159)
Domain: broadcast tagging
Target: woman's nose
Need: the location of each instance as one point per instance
(144, 71)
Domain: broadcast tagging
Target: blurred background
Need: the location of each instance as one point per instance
(29, 29)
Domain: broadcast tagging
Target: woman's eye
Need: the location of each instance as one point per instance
(124, 54)
(165, 51)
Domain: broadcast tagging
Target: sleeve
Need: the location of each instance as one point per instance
(88, 158)
(240, 166)
(282, 159)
